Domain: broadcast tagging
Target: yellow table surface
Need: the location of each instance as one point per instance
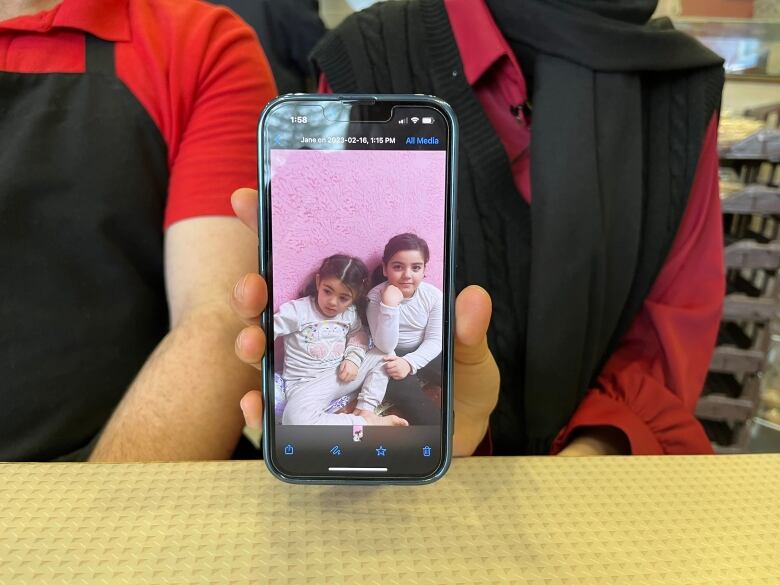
(490, 520)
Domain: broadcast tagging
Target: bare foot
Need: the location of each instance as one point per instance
(374, 419)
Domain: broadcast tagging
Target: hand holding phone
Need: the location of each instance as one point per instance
(475, 374)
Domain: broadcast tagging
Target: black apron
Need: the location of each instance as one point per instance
(83, 185)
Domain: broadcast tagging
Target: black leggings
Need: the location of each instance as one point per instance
(409, 399)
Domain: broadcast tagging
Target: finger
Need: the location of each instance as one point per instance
(244, 203)
(250, 345)
(249, 297)
(252, 407)
(472, 315)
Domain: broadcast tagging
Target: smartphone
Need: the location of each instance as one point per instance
(356, 243)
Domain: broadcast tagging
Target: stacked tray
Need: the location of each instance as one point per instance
(750, 153)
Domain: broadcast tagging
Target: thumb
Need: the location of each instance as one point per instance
(473, 308)
(252, 407)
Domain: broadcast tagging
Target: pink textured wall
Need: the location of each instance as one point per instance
(352, 201)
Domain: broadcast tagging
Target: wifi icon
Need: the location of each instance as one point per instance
(415, 119)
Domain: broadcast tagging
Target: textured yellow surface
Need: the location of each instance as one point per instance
(545, 521)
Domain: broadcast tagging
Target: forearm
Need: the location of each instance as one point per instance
(423, 355)
(431, 345)
(591, 441)
(357, 346)
(183, 405)
(383, 322)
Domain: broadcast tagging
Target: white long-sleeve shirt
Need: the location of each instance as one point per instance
(414, 326)
(314, 343)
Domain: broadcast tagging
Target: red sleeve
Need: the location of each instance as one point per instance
(322, 86)
(485, 447)
(650, 385)
(225, 83)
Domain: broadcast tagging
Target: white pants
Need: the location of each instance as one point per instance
(307, 399)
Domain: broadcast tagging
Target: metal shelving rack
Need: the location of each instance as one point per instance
(731, 396)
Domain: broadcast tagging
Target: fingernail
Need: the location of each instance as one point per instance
(238, 290)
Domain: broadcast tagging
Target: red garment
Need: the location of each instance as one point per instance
(651, 383)
(197, 69)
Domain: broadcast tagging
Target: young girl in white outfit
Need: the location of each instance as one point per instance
(405, 317)
(325, 349)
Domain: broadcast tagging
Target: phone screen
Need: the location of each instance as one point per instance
(356, 207)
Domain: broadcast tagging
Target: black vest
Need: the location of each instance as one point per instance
(613, 156)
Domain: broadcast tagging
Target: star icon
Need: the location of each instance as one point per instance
(381, 451)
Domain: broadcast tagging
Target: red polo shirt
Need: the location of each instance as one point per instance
(197, 70)
(650, 385)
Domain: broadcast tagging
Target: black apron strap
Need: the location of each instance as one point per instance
(99, 56)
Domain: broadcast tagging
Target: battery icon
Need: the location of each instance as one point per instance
(427, 120)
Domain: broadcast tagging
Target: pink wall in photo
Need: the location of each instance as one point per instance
(352, 201)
